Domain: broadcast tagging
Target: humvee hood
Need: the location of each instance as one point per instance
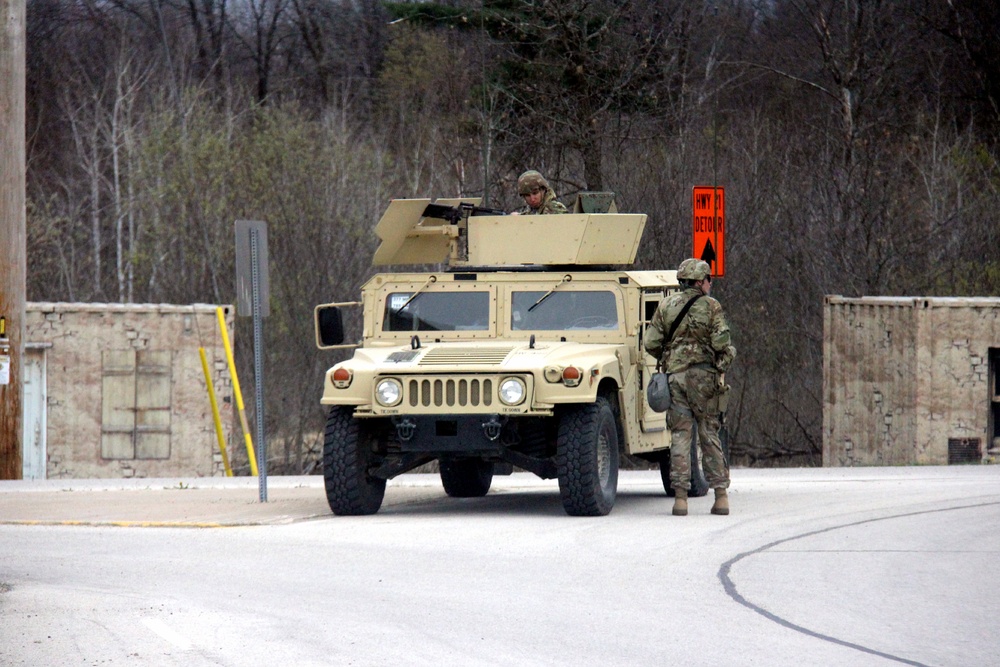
(510, 356)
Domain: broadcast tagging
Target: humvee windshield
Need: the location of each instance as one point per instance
(437, 311)
(563, 310)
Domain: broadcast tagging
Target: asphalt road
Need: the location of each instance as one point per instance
(870, 566)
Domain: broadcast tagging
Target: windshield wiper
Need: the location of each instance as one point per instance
(432, 279)
(545, 296)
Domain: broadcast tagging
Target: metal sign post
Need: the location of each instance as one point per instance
(252, 298)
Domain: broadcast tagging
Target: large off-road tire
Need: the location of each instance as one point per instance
(699, 485)
(466, 478)
(587, 458)
(347, 456)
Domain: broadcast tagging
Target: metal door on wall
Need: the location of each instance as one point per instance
(35, 400)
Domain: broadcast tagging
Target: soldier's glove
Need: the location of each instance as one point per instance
(724, 359)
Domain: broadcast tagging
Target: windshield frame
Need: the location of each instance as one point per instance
(500, 285)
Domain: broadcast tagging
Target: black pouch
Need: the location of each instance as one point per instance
(658, 392)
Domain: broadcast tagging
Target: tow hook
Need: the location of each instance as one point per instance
(492, 428)
(405, 428)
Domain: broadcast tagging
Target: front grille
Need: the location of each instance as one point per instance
(446, 393)
(447, 355)
(450, 392)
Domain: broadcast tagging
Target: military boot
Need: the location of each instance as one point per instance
(721, 505)
(680, 502)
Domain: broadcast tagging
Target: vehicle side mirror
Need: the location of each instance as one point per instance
(329, 326)
(329, 322)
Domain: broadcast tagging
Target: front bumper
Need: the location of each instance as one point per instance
(464, 434)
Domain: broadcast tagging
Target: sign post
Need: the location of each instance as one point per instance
(710, 227)
(253, 298)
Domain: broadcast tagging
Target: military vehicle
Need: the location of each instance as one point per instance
(524, 350)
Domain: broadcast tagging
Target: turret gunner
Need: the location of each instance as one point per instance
(538, 195)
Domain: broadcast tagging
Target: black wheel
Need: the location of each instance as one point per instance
(587, 459)
(347, 456)
(466, 478)
(699, 485)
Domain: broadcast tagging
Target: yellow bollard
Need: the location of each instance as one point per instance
(239, 394)
(215, 412)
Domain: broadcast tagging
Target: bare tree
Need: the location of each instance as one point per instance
(258, 29)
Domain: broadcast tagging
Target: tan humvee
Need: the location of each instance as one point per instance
(525, 350)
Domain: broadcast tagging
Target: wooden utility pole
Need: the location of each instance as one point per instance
(13, 269)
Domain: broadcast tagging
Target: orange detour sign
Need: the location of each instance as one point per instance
(710, 227)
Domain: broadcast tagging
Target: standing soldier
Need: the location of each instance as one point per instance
(698, 353)
(538, 195)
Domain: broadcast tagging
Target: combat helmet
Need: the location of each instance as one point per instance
(531, 180)
(693, 269)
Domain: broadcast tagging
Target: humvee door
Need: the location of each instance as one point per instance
(650, 420)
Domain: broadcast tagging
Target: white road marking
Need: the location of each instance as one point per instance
(162, 629)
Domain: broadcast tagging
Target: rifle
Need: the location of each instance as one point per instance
(454, 214)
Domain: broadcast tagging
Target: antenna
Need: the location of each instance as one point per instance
(486, 125)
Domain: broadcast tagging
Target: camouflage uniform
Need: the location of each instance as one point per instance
(698, 352)
(532, 180)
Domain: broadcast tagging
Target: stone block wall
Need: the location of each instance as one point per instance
(904, 377)
(126, 389)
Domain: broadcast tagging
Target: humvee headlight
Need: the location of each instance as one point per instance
(388, 392)
(512, 391)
